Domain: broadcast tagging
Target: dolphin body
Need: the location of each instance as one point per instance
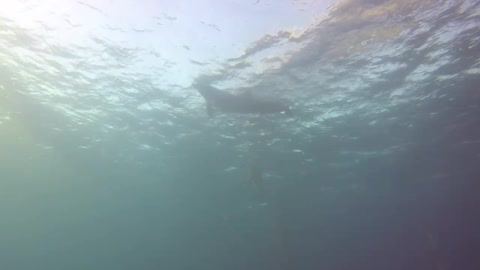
(244, 103)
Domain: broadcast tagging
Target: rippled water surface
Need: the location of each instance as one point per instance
(108, 159)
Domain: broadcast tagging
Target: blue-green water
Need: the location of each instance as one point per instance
(108, 159)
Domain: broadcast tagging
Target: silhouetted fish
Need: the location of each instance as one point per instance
(244, 103)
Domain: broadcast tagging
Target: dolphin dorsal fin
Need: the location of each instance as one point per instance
(246, 94)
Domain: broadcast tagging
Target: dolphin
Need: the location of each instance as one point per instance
(244, 103)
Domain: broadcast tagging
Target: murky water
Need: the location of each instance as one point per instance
(108, 159)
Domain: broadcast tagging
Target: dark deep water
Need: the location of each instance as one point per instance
(378, 169)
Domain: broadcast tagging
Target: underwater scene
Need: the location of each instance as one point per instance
(240, 135)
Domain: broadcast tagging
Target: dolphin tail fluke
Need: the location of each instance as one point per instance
(209, 110)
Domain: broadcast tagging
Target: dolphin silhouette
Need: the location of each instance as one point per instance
(244, 103)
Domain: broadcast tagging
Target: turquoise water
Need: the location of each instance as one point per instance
(108, 159)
